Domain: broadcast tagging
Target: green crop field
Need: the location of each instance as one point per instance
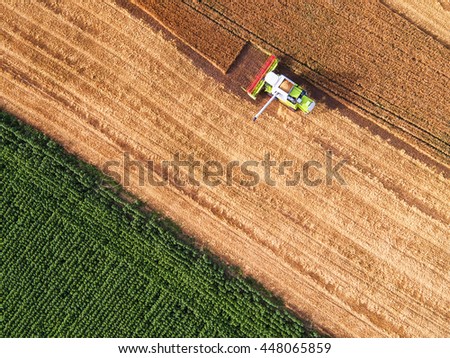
(80, 261)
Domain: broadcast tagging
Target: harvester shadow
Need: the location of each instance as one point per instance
(332, 103)
(319, 95)
(351, 110)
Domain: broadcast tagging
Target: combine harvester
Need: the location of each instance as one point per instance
(279, 86)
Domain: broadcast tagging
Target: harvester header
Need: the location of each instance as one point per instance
(257, 84)
(278, 87)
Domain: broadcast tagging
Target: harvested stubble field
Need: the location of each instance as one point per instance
(367, 259)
